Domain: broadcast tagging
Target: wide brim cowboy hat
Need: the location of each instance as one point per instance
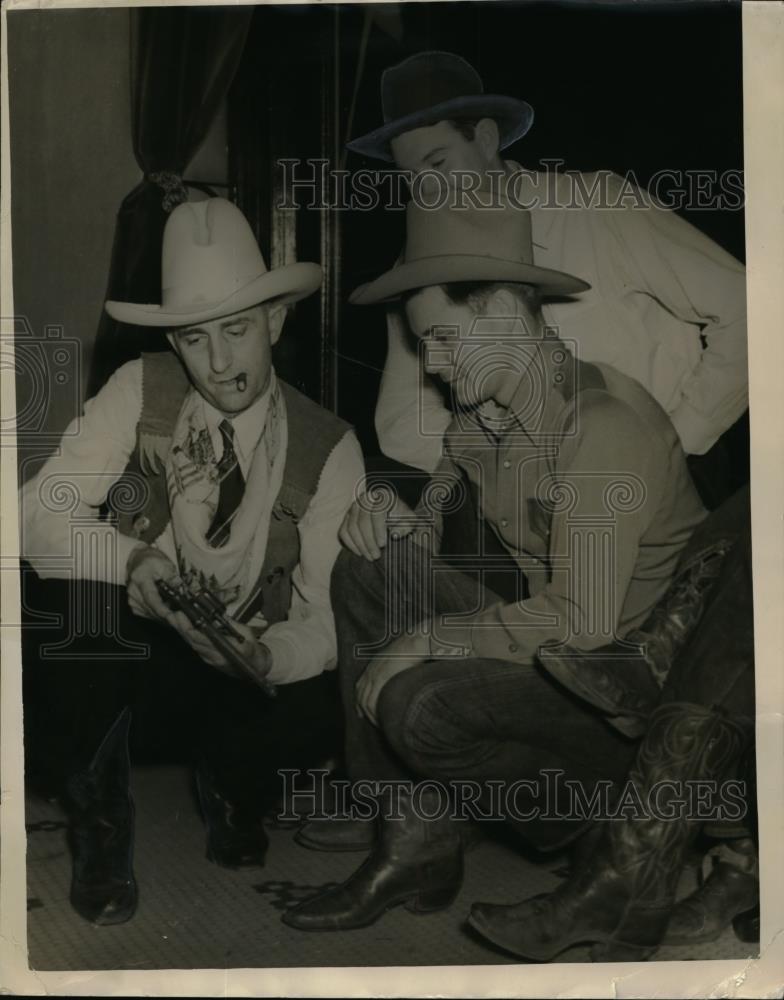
(430, 87)
(211, 267)
(467, 243)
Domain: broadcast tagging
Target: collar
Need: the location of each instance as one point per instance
(531, 191)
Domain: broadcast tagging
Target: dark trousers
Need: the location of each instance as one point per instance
(85, 657)
(490, 720)
(476, 720)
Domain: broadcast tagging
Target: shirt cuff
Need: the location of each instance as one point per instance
(450, 641)
(697, 433)
(125, 545)
(287, 665)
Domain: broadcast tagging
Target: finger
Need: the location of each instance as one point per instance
(355, 530)
(347, 541)
(137, 607)
(151, 597)
(367, 534)
(379, 525)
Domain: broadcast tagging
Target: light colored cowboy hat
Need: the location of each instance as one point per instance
(430, 87)
(211, 266)
(467, 243)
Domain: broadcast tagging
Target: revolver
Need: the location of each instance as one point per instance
(208, 614)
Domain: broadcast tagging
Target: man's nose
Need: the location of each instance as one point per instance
(220, 355)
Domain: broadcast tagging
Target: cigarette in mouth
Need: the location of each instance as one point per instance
(242, 382)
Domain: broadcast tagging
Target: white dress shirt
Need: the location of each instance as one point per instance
(61, 536)
(658, 288)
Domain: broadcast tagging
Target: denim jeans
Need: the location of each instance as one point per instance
(476, 720)
(491, 720)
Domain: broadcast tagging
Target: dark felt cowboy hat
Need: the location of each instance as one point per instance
(430, 87)
(468, 243)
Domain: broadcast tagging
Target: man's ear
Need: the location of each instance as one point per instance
(488, 138)
(276, 316)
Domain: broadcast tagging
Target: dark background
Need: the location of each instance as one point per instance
(628, 87)
(639, 88)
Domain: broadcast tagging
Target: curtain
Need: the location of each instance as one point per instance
(182, 63)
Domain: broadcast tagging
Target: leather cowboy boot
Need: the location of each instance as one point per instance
(727, 896)
(346, 834)
(236, 837)
(337, 833)
(101, 811)
(622, 899)
(416, 861)
(730, 893)
(623, 682)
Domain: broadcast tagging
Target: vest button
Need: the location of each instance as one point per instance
(504, 522)
(507, 464)
(513, 648)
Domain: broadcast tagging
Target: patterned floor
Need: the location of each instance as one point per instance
(194, 915)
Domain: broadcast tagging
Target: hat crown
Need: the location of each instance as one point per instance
(209, 254)
(493, 227)
(426, 80)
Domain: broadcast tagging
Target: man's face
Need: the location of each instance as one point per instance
(452, 350)
(443, 148)
(229, 359)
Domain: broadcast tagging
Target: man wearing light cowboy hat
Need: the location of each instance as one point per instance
(660, 289)
(580, 475)
(242, 484)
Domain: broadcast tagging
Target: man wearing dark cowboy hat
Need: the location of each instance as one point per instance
(240, 486)
(580, 475)
(659, 287)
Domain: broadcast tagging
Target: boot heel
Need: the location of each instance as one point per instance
(436, 899)
(747, 925)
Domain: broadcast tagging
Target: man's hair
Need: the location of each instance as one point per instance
(465, 126)
(476, 293)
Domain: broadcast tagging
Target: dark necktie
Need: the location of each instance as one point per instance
(232, 488)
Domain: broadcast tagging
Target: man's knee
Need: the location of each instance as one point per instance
(418, 723)
(353, 574)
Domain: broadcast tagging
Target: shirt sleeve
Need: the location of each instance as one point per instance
(60, 533)
(702, 284)
(590, 567)
(305, 644)
(411, 415)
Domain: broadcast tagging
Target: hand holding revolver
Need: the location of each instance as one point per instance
(223, 643)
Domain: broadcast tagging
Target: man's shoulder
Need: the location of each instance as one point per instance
(620, 411)
(303, 409)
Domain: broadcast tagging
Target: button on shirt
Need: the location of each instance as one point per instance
(659, 287)
(93, 454)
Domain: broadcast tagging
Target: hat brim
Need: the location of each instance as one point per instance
(463, 267)
(284, 284)
(514, 118)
